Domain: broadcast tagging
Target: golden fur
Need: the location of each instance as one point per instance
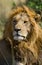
(35, 40)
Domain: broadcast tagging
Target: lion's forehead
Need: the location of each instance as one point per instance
(22, 15)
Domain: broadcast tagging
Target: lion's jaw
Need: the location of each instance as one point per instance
(19, 36)
(21, 26)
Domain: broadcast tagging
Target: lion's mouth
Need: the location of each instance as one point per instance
(19, 37)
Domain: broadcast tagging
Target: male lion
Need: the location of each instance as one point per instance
(24, 35)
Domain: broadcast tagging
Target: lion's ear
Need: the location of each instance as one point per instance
(37, 17)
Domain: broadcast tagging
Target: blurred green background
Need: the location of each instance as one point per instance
(7, 5)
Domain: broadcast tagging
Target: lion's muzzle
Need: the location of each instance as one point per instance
(17, 35)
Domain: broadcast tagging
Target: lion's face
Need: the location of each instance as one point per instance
(21, 26)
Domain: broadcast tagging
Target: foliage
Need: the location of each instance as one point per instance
(35, 4)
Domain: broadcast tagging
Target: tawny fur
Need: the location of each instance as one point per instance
(36, 38)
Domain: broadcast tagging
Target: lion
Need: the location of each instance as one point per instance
(24, 35)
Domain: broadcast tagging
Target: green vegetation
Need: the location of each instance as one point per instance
(35, 4)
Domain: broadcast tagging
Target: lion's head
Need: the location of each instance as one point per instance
(21, 24)
(22, 29)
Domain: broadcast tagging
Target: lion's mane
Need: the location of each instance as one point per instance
(35, 40)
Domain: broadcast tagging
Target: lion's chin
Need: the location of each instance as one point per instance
(19, 38)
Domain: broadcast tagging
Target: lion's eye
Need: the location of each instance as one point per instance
(25, 21)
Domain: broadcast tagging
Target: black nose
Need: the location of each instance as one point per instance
(17, 30)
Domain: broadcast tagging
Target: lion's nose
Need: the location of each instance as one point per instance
(17, 30)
